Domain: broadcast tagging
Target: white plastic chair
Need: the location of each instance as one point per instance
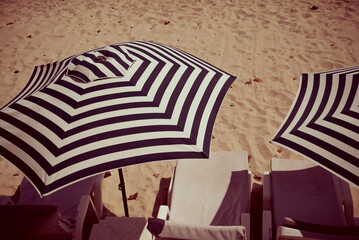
(208, 199)
(303, 200)
(60, 215)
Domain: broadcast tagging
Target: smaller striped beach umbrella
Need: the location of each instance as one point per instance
(111, 107)
(323, 122)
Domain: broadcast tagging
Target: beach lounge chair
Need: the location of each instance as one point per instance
(207, 199)
(60, 215)
(302, 200)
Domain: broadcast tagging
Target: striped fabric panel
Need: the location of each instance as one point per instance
(164, 108)
(323, 123)
(108, 62)
(41, 77)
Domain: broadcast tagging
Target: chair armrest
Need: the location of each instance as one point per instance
(163, 212)
(267, 194)
(246, 222)
(86, 205)
(267, 225)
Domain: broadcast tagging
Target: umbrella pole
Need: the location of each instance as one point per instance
(121, 187)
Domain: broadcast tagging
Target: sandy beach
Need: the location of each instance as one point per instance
(267, 44)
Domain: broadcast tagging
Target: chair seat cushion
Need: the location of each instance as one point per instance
(307, 194)
(211, 192)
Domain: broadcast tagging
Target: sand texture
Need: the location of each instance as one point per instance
(267, 44)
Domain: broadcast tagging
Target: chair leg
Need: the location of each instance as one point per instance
(267, 208)
(267, 225)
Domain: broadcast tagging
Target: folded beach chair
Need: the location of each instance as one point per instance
(207, 199)
(302, 200)
(60, 215)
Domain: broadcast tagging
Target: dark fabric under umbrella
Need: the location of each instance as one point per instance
(323, 122)
(119, 105)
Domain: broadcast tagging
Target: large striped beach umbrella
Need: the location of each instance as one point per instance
(119, 105)
(323, 122)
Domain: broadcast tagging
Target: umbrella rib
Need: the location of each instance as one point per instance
(175, 67)
(298, 101)
(213, 115)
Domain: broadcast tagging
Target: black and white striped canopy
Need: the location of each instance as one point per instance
(114, 106)
(323, 123)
